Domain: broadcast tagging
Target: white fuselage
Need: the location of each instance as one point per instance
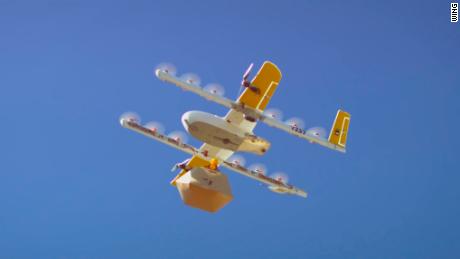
(218, 132)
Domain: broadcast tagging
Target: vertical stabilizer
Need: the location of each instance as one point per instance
(339, 131)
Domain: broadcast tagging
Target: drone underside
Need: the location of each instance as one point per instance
(200, 183)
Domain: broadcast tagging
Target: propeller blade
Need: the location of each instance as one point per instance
(248, 71)
(129, 116)
(241, 90)
(191, 79)
(155, 126)
(178, 136)
(317, 132)
(174, 168)
(245, 82)
(295, 122)
(259, 168)
(167, 68)
(215, 89)
(274, 113)
(238, 160)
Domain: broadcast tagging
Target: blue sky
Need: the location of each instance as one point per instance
(74, 184)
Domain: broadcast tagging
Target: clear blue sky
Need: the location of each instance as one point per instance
(74, 184)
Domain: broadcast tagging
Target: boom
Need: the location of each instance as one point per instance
(274, 184)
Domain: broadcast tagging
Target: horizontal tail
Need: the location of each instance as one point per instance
(339, 131)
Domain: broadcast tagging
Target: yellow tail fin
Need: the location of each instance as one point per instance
(339, 131)
(266, 81)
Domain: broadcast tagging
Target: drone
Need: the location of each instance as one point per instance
(200, 182)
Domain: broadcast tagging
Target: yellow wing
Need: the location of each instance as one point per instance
(266, 81)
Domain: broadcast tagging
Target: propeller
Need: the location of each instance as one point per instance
(167, 68)
(155, 126)
(295, 122)
(129, 116)
(181, 165)
(175, 167)
(259, 168)
(274, 113)
(280, 176)
(245, 82)
(238, 160)
(248, 71)
(215, 89)
(178, 136)
(191, 79)
(317, 132)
